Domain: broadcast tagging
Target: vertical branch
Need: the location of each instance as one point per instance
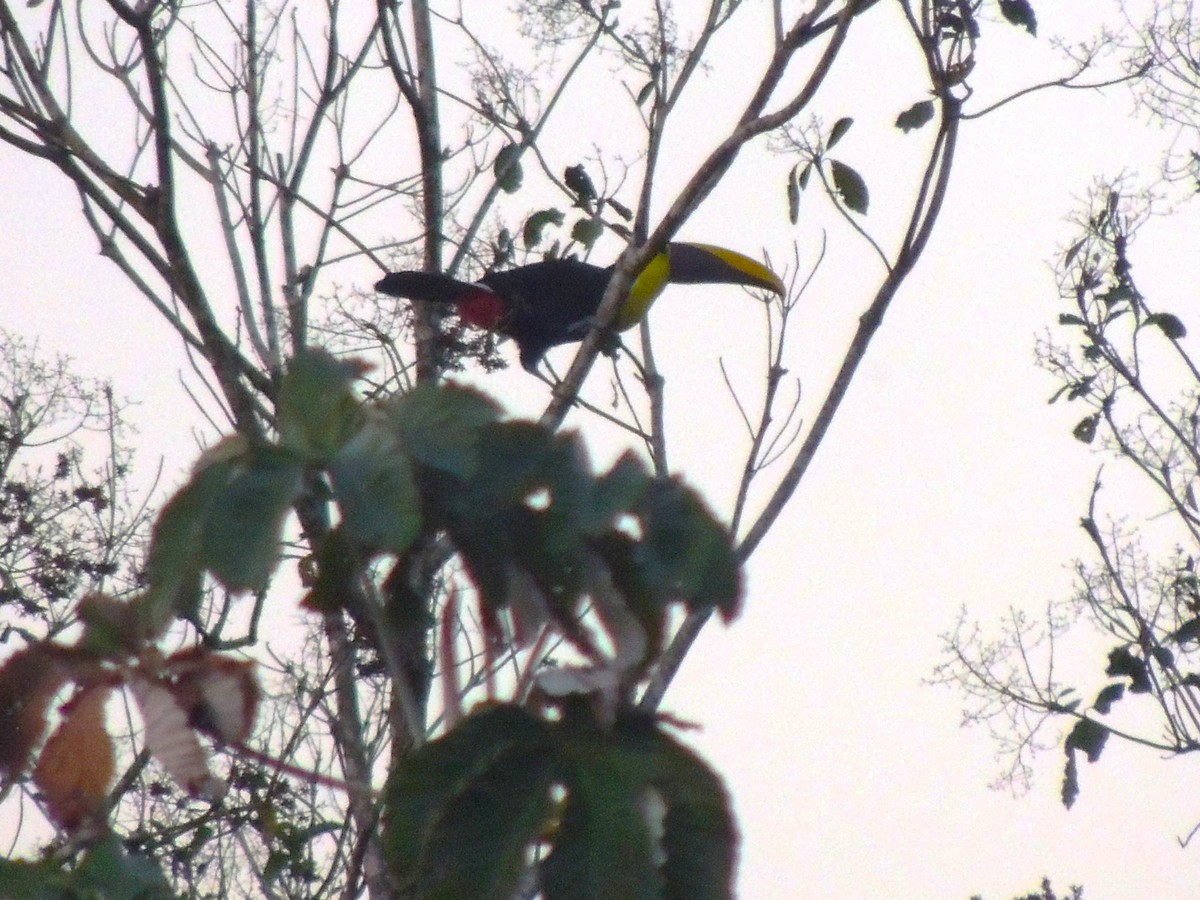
(256, 222)
(924, 216)
(224, 358)
(752, 123)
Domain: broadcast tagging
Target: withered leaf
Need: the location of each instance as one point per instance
(76, 767)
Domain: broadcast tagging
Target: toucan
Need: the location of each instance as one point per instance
(554, 302)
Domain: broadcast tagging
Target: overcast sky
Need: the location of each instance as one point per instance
(946, 481)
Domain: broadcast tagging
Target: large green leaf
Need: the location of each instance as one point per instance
(700, 837)
(106, 871)
(603, 849)
(375, 488)
(441, 425)
(244, 525)
(526, 508)
(318, 410)
(175, 561)
(499, 755)
(617, 491)
(644, 816)
(684, 552)
(478, 845)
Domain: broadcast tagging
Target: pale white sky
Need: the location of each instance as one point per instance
(946, 480)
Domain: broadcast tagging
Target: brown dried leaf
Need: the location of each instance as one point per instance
(28, 683)
(75, 769)
(171, 740)
(220, 695)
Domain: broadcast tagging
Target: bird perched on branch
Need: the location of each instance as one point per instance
(554, 302)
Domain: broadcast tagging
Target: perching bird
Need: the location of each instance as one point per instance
(549, 303)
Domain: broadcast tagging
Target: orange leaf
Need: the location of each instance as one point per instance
(76, 766)
(28, 682)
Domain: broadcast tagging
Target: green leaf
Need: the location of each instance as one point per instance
(106, 870)
(507, 168)
(479, 844)
(603, 846)
(851, 186)
(645, 816)
(805, 174)
(620, 209)
(317, 406)
(1070, 319)
(1019, 12)
(1081, 388)
(1170, 325)
(793, 195)
(915, 116)
(617, 491)
(840, 127)
(1073, 251)
(373, 482)
(175, 560)
(1188, 631)
(441, 425)
(244, 526)
(1118, 293)
(1107, 697)
(531, 234)
(495, 766)
(684, 553)
(1089, 736)
(1070, 785)
(579, 183)
(1121, 661)
(645, 93)
(526, 509)
(587, 231)
(338, 561)
(1085, 431)
(701, 837)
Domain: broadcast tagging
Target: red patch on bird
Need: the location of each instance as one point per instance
(483, 310)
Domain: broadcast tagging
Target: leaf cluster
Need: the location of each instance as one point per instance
(616, 811)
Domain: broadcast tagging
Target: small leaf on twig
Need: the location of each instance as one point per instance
(507, 168)
(851, 186)
(840, 127)
(531, 234)
(915, 116)
(1019, 12)
(793, 195)
(1168, 323)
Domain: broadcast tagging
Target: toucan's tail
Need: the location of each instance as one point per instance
(427, 286)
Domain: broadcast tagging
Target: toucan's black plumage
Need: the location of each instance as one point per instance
(549, 303)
